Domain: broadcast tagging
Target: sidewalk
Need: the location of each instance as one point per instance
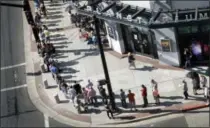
(80, 63)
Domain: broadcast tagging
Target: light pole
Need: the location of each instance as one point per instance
(103, 59)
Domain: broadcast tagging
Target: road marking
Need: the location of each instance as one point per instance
(12, 66)
(12, 88)
(46, 121)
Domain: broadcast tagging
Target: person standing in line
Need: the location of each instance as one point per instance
(72, 94)
(53, 70)
(42, 36)
(90, 84)
(47, 34)
(194, 82)
(109, 111)
(92, 96)
(77, 87)
(103, 95)
(65, 86)
(185, 89)
(85, 95)
(37, 19)
(144, 95)
(156, 96)
(154, 85)
(131, 98)
(206, 94)
(203, 81)
(131, 60)
(123, 98)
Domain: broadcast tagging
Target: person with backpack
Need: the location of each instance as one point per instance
(131, 60)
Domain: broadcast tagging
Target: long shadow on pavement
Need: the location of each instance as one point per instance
(55, 16)
(54, 13)
(51, 22)
(146, 68)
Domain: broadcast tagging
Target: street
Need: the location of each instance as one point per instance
(195, 118)
(16, 108)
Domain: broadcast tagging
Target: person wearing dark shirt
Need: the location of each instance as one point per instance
(103, 95)
(109, 111)
(77, 88)
(188, 57)
(131, 60)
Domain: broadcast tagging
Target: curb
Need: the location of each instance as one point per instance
(139, 119)
(195, 107)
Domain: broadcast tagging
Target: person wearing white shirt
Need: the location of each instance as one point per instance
(90, 84)
(206, 94)
(72, 94)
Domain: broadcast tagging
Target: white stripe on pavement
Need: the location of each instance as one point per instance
(12, 88)
(46, 121)
(12, 66)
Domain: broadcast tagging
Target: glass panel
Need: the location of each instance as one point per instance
(205, 28)
(183, 30)
(194, 29)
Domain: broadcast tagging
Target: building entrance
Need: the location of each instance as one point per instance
(197, 40)
(141, 43)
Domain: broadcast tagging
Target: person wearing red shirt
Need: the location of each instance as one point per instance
(144, 95)
(131, 98)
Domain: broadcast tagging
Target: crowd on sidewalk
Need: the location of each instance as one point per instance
(77, 92)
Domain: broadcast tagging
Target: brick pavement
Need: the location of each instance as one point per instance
(81, 64)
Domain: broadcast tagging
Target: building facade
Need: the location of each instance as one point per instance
(151, 42)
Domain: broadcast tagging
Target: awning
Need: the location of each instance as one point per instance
(122, 14)
(177, 18)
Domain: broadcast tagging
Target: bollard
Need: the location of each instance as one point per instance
(57, 99)
(42, 68)
(46, 84)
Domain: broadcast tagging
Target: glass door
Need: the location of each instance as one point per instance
(141, 43)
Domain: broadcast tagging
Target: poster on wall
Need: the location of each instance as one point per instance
(166, 45)
(111, 32)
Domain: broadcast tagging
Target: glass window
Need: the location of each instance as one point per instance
(184, 30)
(188, 29)
(194, 29)
(205, 28)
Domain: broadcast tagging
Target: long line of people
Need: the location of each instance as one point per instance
(75, 92)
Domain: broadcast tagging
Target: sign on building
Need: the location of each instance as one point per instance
(166, 45)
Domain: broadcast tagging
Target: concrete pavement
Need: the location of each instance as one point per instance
(79, 63)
